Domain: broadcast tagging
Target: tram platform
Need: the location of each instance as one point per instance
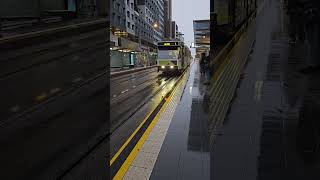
(241, 126)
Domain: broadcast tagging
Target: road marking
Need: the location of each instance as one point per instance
(128, 140)
(125, 166)
(55, 90)
(122, 92)
(77, 80)
(41, 97)
(258, 86)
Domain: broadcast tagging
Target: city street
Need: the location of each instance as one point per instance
(159, 89)
(126, 116)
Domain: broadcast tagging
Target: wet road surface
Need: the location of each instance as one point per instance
(53, 108)
(35, 73)
(154, 87)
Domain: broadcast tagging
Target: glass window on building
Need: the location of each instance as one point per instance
(132, 27)
(114, 4)
(128, 2)
(128, 14)
(129, 25)
(132, 5)
(132, 16)
(119, 21)
(118, 4)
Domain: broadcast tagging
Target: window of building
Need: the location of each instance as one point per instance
(124, 22)
(132, 5)
(129, 25)
(119, 21)
(113, 16)
(128, 2)
(132, 27)
(128, 14)
(118, 4)
(132, 16)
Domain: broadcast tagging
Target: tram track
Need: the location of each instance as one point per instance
(25, 62)
(122, 111)
(51, 99)
(107, 133)
(50, 77)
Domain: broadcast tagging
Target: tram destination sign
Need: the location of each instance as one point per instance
(168, 43)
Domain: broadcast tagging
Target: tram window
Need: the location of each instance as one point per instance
(168, 47)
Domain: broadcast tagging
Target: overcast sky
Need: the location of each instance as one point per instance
(185, 11)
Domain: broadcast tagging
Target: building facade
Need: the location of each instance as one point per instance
(168, 19)
(136, 27)
(152, 12)
(201, 29)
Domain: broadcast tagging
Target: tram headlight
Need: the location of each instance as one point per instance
(163, 67)
(171, 67)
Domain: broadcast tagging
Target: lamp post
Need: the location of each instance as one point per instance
(155, 27)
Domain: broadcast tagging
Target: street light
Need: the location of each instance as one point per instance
(155, 25)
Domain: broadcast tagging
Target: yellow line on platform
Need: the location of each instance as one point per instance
(128, 140)
(124, 167)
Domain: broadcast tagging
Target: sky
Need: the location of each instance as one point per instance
(185, 11)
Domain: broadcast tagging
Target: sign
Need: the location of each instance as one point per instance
(168, 43)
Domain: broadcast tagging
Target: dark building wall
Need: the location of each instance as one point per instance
(173, 29)
(52, 5)
(19, 8)
(103, 7)
(118, 16)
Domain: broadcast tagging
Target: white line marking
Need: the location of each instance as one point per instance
(124, 91)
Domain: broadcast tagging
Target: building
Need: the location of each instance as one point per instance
(174, 30)
(201, 30)
(233, 12)
(175, 33)
(152, 12)
(130, 17)
(136, 27)
(168, 19)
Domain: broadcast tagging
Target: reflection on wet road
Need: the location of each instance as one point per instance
(185, 150)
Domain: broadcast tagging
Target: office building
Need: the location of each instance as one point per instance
(168, 19)
(201, 29)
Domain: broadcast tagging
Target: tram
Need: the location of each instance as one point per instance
(173, 56)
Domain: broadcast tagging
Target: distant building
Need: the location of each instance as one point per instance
(201, 30)
(233, 12)
(168, 19)
(130, 17)
(152, 11)
(136, 27)
(174, 30)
